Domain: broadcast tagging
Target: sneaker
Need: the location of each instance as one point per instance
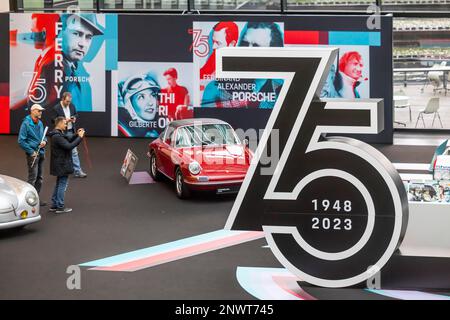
(80, 174)
(52, 209)
(43, 204)
(63, 210)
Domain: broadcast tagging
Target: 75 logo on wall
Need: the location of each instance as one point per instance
(200, 43)
(334, 210)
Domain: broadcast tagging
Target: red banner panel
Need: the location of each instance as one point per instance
(292, 37)
(4, 114)
(301, 37)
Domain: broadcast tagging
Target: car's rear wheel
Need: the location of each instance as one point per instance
(181, 188)
(154, 173)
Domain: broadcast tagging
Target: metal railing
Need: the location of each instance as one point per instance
(397, 7)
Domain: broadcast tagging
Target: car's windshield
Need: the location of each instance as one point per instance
(208, 134)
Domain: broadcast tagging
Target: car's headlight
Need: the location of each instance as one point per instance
(194, 168)
(31, 198)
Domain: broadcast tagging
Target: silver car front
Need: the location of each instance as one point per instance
(19, 203)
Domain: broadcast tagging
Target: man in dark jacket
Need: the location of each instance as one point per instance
(31, 139)
(65, 108)
(61, 164)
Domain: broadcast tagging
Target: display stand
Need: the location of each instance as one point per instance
(423, 260)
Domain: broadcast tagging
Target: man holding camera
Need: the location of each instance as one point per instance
(66, 109)
(61, 164)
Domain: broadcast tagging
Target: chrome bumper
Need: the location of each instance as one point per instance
(19, 223)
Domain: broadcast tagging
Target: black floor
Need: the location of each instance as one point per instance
(111, 217)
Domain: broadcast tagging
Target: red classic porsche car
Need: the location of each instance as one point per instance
(200, 154)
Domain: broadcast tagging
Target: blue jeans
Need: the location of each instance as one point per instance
(76, 161)
(59, 192)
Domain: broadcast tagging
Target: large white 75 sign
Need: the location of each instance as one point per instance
(335, 209)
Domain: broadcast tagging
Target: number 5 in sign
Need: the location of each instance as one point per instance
(321, 244)
(37, 91)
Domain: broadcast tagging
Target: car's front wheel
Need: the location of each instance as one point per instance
(181, 188)
(154, 173)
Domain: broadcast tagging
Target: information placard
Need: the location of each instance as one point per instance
(129, 165)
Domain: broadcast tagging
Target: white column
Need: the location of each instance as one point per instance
(4, 6)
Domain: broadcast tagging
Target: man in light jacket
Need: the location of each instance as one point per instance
(65, 108)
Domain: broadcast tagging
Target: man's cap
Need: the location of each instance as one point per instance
(89, 19)
(36, 107)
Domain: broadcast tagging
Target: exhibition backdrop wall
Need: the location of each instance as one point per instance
(130, 75)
